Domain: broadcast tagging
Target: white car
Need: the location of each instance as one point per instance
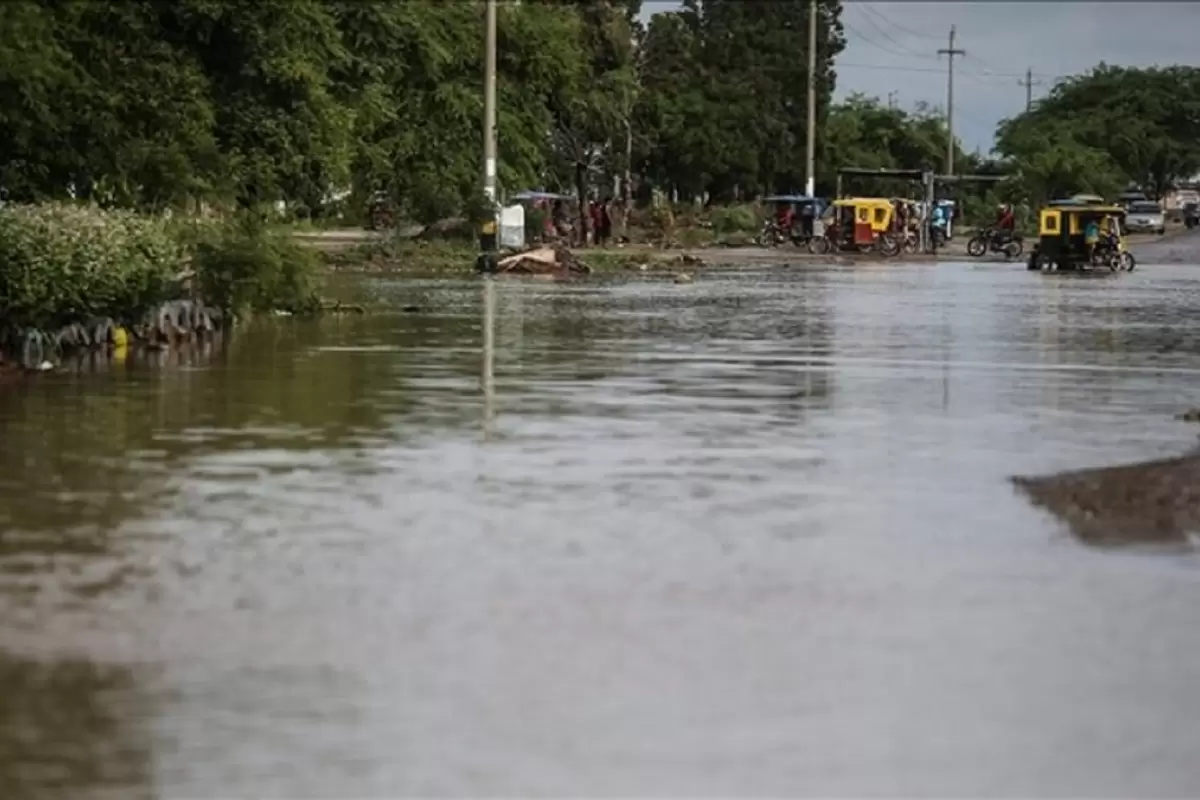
(1146, 217)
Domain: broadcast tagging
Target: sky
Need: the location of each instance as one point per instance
(891, 47)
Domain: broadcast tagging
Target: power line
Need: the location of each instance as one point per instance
(891, 38)
(874, 43)
(893, 23)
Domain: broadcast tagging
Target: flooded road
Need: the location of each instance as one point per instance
(749, 536)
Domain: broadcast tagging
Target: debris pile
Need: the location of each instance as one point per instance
(558, 261)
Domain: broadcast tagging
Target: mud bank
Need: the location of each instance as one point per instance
(1150, 503)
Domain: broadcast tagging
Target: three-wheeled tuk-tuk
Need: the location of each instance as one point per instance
(800, 212)
(859, 223)
(1064, 242)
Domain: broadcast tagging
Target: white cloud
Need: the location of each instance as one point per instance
(892, 47)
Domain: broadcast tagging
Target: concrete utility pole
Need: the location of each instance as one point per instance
(1029, 83)
(891, 100)
(487, 238)
(810, 144)
(951, 52)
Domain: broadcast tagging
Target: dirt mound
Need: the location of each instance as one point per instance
(1155, 502)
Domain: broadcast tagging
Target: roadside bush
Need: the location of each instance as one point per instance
(735, 219)
(62, 263)
(242, 265)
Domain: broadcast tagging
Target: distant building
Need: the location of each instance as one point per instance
(1182, 193)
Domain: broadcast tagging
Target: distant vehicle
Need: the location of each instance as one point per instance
(379, 212)
(1191, 215)
(1145, 217)
(1062, 242)
(1131, 197)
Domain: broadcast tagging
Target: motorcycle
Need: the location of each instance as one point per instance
(772, 235)
(991, 240)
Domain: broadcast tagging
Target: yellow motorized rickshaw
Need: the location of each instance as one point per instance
(1063, 241)
(860, 223)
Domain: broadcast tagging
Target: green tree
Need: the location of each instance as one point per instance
(1110, 126)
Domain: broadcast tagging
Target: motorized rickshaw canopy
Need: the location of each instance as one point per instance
(874, 212)
(532, 195)
(1080, 200)
(791, 198)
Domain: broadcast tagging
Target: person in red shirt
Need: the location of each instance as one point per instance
(1006, 220)
(1006, 223)
(783, 218)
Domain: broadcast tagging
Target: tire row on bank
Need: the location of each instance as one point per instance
(166, 325)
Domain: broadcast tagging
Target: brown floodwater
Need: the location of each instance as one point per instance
(750, 536)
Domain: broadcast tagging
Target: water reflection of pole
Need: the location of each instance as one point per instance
(489, 354)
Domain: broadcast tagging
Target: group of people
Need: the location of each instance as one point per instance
(559, 225)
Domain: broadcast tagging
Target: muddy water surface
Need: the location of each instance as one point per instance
(748, 536)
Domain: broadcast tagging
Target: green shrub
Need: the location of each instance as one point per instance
(735, 219)
(62, 263)
(245, 266)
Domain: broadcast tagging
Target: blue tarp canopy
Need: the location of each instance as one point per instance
(531, 195)
(1078, 200)
(791, 198)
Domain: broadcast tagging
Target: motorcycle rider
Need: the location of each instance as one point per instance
(784, 216)
(1006, 224)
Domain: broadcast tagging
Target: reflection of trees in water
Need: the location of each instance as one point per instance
(83, 453)
(1084, 322)
(755, 345)
(72, 730)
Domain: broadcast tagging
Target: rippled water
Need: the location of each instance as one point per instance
(747, 536)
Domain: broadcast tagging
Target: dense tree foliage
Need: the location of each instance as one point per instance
(1109, 128)
(170, 103)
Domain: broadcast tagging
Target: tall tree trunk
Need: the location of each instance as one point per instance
(627, 185)
(581, 188)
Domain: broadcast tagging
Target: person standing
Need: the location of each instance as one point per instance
(606, 222)
(594, 218)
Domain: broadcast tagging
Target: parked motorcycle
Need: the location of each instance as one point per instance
(772, 235)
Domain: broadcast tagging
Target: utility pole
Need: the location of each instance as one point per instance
(487, 238)
(891, 100)
(1029, 83)
(810, 145)
(951, 52)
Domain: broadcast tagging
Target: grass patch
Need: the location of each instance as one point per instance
(397, 253)
(62, 264)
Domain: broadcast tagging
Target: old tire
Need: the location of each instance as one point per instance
(818, 245)
(1013, 248)
(977, 246)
